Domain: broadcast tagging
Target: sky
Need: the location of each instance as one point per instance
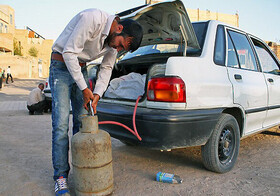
(49, 17)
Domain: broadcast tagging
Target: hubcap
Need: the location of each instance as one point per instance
(226, 145)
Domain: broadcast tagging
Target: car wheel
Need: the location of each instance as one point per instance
(220, 153)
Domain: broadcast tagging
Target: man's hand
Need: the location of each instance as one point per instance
(94, 102)
(87, 94)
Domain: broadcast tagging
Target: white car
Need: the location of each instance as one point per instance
(207, 84)
(47, 91)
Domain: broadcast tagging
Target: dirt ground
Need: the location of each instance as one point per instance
(26, 166)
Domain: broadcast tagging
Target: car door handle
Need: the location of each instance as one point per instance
(270, 80)
(237, 77)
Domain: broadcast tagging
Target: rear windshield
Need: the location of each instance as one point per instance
(200, 30)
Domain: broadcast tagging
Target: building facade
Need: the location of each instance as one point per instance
(7, 29)
(200, 15)
(274, 47)
(27, 52)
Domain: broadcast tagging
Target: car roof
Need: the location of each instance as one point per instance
(217, 22)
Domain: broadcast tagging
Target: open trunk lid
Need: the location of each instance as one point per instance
(164, 23)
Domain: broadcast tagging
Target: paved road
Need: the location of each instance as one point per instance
(26, 166)
(13, 96)
(19, 90)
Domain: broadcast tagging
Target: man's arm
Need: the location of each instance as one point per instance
(105, 72)
(38, 95)
(83, 30)
(103, 76)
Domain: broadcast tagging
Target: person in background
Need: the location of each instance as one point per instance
(92, 33)
(9, 74)
(1, 78)
(3, 74)
(36, 102)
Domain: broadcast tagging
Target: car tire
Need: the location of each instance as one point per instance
(220, 152)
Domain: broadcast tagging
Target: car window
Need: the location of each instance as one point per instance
(244, 51)
(200, 30)
(153, 49)
(232, 60)
(268, 64)
(219, 54)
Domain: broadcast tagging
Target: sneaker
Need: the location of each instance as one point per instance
(61, 187)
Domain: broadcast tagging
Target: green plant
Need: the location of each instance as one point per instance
(17, 48)
(33, 51)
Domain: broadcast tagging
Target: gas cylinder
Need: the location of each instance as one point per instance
(92, 159)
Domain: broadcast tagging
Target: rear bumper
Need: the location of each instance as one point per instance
(48, 95)
(160, 129)
(48, 98)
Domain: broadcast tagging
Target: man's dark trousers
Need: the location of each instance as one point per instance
(9, 75)
(38, 107)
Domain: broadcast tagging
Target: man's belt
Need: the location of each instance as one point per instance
(58, 57)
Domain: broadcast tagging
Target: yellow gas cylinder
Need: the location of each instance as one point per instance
(92, 159)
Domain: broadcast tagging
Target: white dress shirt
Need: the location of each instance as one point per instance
(82, 40)
(35, 96)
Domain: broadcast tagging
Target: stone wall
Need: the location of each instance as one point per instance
(276, 50)
(6, 42)
(200, 15)
(275, 47)
(42, 45)
(25, 67)
(7, 16)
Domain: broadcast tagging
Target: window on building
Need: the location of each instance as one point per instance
(11, 19)
(1, 27)
(6, 29)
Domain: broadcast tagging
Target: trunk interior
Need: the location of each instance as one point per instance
(130, 77)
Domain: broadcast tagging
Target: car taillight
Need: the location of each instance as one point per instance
(166, 89)
(46, 84)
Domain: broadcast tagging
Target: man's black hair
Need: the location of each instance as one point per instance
(132, 29)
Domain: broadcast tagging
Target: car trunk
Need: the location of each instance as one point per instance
(129, 80)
